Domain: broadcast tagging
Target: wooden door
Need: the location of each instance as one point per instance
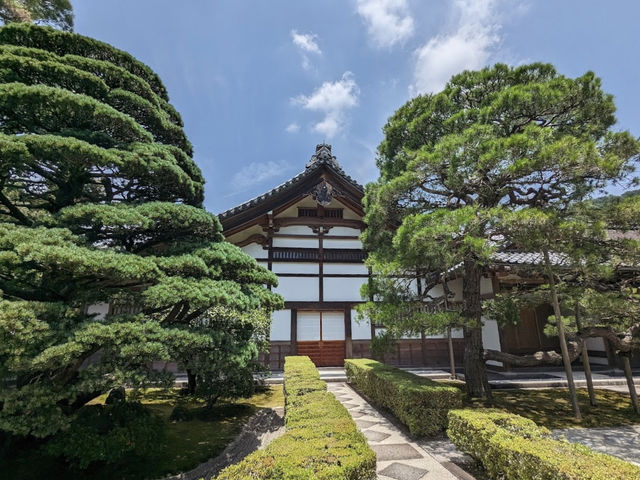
(321, 337)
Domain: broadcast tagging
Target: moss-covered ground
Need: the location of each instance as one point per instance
(551, 407)
(186, 444)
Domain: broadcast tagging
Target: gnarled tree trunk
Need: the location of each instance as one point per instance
(475, 370)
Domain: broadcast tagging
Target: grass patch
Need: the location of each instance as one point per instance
(186, 445)
(551, 407)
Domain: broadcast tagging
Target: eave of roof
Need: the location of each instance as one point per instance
(322, 158)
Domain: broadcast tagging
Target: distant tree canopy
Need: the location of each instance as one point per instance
(452, 164)
(57, 13)
(101, 202)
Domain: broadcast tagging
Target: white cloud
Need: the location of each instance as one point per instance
(306, 43)
(257, 172)
(388, 21)
(470, 46)
(292, 128)
(332, 99)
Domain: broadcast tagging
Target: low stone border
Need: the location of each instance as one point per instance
(258, 432)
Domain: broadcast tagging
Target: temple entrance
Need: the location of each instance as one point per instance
(321, 336)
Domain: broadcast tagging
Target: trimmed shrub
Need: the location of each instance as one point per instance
(515, 448)
(321, 443)
(421, 404)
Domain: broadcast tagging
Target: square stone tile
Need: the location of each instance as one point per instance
(400, 471)
(395, 451)
(376, 436)
(365, 423)
(356, 414)
(348, 405)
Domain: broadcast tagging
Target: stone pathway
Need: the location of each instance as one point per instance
(399, 458)
(622, 442)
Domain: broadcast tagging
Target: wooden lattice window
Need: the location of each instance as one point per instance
(333, 212)
(307, 212)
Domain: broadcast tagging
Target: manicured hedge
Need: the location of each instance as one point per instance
(515, 448)
(421, 404)
(321, 442)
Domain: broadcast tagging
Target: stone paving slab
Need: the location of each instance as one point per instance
(622, 442)
(399, 457)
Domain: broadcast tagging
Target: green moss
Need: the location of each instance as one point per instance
(186, 444)
(551, 407)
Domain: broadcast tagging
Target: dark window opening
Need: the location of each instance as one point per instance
(331, 255)
(307, 212)
(333, 212)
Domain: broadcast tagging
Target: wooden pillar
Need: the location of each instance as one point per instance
(348, 345)
(294, 331)
(423, 348)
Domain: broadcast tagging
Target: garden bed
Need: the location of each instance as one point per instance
(186, 444)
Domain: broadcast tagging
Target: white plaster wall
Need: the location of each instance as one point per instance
(281, 325)
(486, 286)
(454, 285)
(295, 267)
(298, 289)
(343, 289)
(412, 337)
(348, 213)
(344, 231)
(255, 250)
(332, 325)
(294, 230)
(292, 211)
(345, 268)
(335, 243)
(360, 330)
(99, 309)
(491, 337)
(296, 242)
(308, 326)
(597, 345)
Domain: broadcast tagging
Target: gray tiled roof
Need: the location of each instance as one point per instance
(322, 157)
(527, 258)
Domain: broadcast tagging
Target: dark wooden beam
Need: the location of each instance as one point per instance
(347, 333)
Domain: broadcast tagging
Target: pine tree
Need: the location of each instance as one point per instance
(495, 140)
(100, 201)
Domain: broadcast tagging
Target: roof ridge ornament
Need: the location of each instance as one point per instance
(324, 193)
(323, 156)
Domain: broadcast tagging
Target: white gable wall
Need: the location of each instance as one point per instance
(281, 325)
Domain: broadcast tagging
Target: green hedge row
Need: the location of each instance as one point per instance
(321, 442)
(515, 448)
(421, 404)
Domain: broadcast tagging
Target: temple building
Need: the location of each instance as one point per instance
(307, 231)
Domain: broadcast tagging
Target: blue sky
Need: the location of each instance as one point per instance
(259, 83)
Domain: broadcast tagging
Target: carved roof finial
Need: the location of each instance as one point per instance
(323, 155)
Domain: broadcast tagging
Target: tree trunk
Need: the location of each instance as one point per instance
(632, 388)
(452, 358)
(191, 382)
(561, 335)
(585, 361)
(475, 370)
